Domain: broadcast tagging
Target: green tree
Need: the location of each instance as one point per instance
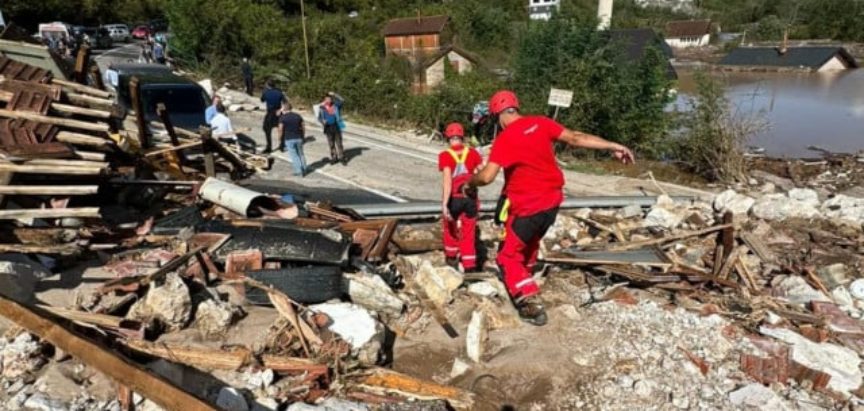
(613, 97)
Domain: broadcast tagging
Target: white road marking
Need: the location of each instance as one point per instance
(391, 148)
(283, 157)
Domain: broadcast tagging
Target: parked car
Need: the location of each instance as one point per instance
(118, 32)
(141, 32)
(97, 37)
(184, 99)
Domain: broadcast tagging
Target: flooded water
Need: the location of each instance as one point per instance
(821, 109)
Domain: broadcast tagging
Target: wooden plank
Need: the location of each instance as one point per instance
(48, 169)
(89, 112)
(385, 381)
(57, 121)
(82, 60)
(657, 241)
(747, 276)
(84, 139)
(93, 354)
(232, 358)
(727, 236)
(65, 163)
(718, 259)
(161, 151)
(84, 212)
(101, 320)
(49, 190)
(758, 246)
(63, 249)
(90, 155)
(649, 257)
(90, 91)
(140, 121)
(730, 262)
(89, 101)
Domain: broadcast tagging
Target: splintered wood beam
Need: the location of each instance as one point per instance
(86, 100)
(49, 190)
(57, 121)
(95, 92)
(84, 212)
(223, 359)
(383, 381)
(89, 112)
(83, 139)
(50, 169)
(125, 372)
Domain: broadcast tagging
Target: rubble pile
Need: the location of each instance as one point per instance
(181, 289)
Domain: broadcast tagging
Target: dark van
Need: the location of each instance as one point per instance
(184, 99)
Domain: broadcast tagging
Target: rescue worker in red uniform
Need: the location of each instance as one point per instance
(459, 208)
(533, 187)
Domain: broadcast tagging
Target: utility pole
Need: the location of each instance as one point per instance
(305, 39)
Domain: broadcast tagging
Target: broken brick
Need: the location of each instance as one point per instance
(238, 262)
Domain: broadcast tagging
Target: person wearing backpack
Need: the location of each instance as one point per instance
(459, 209)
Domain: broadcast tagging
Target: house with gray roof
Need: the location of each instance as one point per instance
(819, 59)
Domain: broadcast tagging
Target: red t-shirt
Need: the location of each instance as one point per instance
(532, 179)
(472, 162)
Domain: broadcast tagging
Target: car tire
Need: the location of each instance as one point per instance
(305, 285)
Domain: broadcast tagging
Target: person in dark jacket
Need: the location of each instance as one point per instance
(273, 98)
(246, 68)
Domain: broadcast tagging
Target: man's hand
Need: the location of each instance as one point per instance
(623, 154)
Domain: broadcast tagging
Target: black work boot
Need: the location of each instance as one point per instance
(452, 262)
(531, 310)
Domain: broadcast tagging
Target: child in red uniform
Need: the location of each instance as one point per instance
(459, 210)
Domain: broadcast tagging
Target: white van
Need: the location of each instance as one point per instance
(57, 30)
(118, 32)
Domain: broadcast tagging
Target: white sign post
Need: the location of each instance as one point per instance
(560, 98)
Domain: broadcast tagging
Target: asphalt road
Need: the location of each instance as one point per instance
(387, 167)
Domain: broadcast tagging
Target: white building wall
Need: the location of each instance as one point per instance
(684, 42)
(834, 64)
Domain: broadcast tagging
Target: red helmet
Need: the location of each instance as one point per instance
(454, 130)
(503, 100)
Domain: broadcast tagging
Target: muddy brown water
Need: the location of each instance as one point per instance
(823, 109)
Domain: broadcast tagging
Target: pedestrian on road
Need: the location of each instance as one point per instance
(533, 191)
(292, 131)
(211, 111)
(158, 52)
(221, 125)
(246, 68)
(330, 116)
(458, 209)
(273, 97)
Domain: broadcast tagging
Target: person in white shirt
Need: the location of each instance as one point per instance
(221, 125)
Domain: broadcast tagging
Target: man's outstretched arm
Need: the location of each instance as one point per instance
(485, 176)
(583, 140)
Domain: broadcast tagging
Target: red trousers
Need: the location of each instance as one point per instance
(518, 253)
(459, 235)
